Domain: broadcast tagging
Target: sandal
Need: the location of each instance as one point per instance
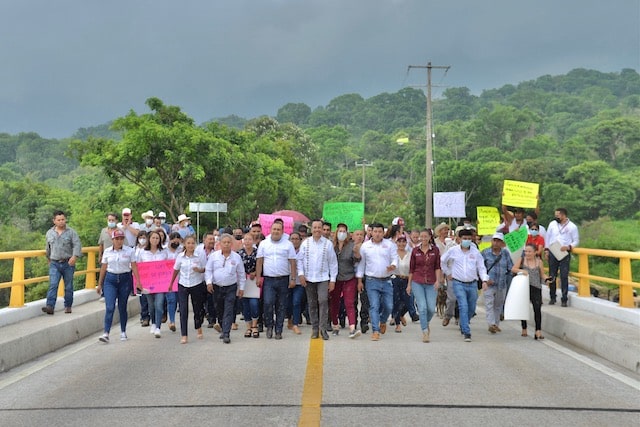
(183, 340)
(200, 336)
(248, 333)
(538, 336)
(256, 334)
(524, 333)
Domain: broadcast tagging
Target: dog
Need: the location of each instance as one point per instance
(441, 301)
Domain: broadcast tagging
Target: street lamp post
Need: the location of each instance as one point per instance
(364, 165)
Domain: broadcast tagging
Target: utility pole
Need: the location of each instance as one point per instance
(428, 218)
(364, 165)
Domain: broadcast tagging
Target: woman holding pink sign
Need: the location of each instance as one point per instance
(153, 251)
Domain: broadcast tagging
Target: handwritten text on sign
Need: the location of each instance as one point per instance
(520, 194)
(155, 275)
(449, 205)
(350, 213)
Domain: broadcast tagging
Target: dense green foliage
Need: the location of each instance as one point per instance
(578, 135)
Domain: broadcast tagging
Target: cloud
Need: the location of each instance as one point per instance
(72, 63)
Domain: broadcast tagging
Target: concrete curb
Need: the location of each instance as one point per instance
(36, 336)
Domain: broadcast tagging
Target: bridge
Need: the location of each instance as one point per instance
(585, 372)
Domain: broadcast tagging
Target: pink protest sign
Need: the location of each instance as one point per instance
(155, 275)
(266, 220)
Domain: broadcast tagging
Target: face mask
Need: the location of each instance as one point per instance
(142, 241)
(558, 219)
(162, 221)
(148, 221)
(342, 236)
(465, 244)
(534, 233)
(111, 224)
(175, 245)
(238, 237)
(529, 223)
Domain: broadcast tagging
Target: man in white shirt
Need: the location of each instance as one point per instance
(378, 258)
(317, 271)
(462, 265)
(225, 278)
(563, 232)
(130, 228)
(275, 264)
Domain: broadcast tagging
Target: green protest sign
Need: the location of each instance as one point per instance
(350, 213)
(516, 239)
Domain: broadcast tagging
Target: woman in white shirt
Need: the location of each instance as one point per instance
(191, 283)
(153, 251)
(116, 282)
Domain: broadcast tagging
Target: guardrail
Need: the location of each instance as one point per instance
(18, 281)
(625, 280)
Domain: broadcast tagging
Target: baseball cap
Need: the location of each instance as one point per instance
(397, 221)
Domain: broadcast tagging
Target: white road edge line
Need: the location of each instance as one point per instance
(595, 365)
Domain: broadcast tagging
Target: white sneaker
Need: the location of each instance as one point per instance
(104, 338)
(157, 333)
(123, 336)
(152, 329)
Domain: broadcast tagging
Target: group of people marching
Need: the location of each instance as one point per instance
(331, 276)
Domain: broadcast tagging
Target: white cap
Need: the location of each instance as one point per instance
(498, 236)
(162, 215)
(126, 211)
(397, 221)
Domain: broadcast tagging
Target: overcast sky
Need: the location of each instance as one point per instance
(67, 64)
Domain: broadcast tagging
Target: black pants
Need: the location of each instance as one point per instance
(535, 296)
(198, 297)
(225, 298)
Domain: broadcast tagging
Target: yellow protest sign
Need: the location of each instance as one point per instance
(520, 194)
(488, 219)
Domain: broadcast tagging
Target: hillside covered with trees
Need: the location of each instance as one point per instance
(578, 135)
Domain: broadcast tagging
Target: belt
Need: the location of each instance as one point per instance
(225, 286)
(60, 260)
(275, 277)
(378, 278)
(466, 283)
(401, 277)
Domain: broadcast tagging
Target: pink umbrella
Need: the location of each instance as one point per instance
(297, 216)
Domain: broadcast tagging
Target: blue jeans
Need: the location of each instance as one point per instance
(380, 293)
(250, 309)
(296, 297)
(275, 291)
(563, 267)
(156, 308)
(172, 303)
(57, 271)
(116, 287)
(225, 297)
(425, 296)
(467, 296)
(144, 308)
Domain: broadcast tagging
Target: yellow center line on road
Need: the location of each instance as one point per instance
(312, 391)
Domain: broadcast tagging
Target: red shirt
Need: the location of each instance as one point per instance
(537, 240)
(423, 265)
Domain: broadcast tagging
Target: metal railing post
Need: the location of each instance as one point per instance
(626, 291)
(16, 299)
(583, 282)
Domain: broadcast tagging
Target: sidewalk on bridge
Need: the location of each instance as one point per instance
(594, 325)
(27, 333)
